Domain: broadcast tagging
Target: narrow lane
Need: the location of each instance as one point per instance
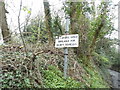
(115, 76)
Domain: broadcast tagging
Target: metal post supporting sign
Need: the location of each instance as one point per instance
(66, 49)
(65, 41)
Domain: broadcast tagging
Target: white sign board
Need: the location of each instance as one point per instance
(67, 41)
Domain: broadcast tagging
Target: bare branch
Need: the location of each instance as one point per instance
(20, 28)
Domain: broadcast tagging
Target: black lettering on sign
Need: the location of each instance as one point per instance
(66, 40)
(60, 41)
(66, 44)
(73, 36)
(72, 40)
(66, 37)
(61, 44)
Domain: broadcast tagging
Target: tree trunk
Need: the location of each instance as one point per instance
(72, 17)
(79, 25)
(99, 28)
(48, 22)
(3, 23)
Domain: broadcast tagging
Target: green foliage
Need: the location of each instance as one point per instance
(114, 56)
(53, 78)
(104, 17)
(95, 80)
(80, 7)
(56, 26)
(14, 80)
(35, 31)
(86, 28)
(26, 10)
(102, 60)
(106, 48)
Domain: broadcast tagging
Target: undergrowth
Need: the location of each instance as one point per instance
(14, 80)
(53, 78)
(95, 80)
(23, 76)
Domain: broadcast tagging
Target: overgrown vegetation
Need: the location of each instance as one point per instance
(46, 71)
(37, 63)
